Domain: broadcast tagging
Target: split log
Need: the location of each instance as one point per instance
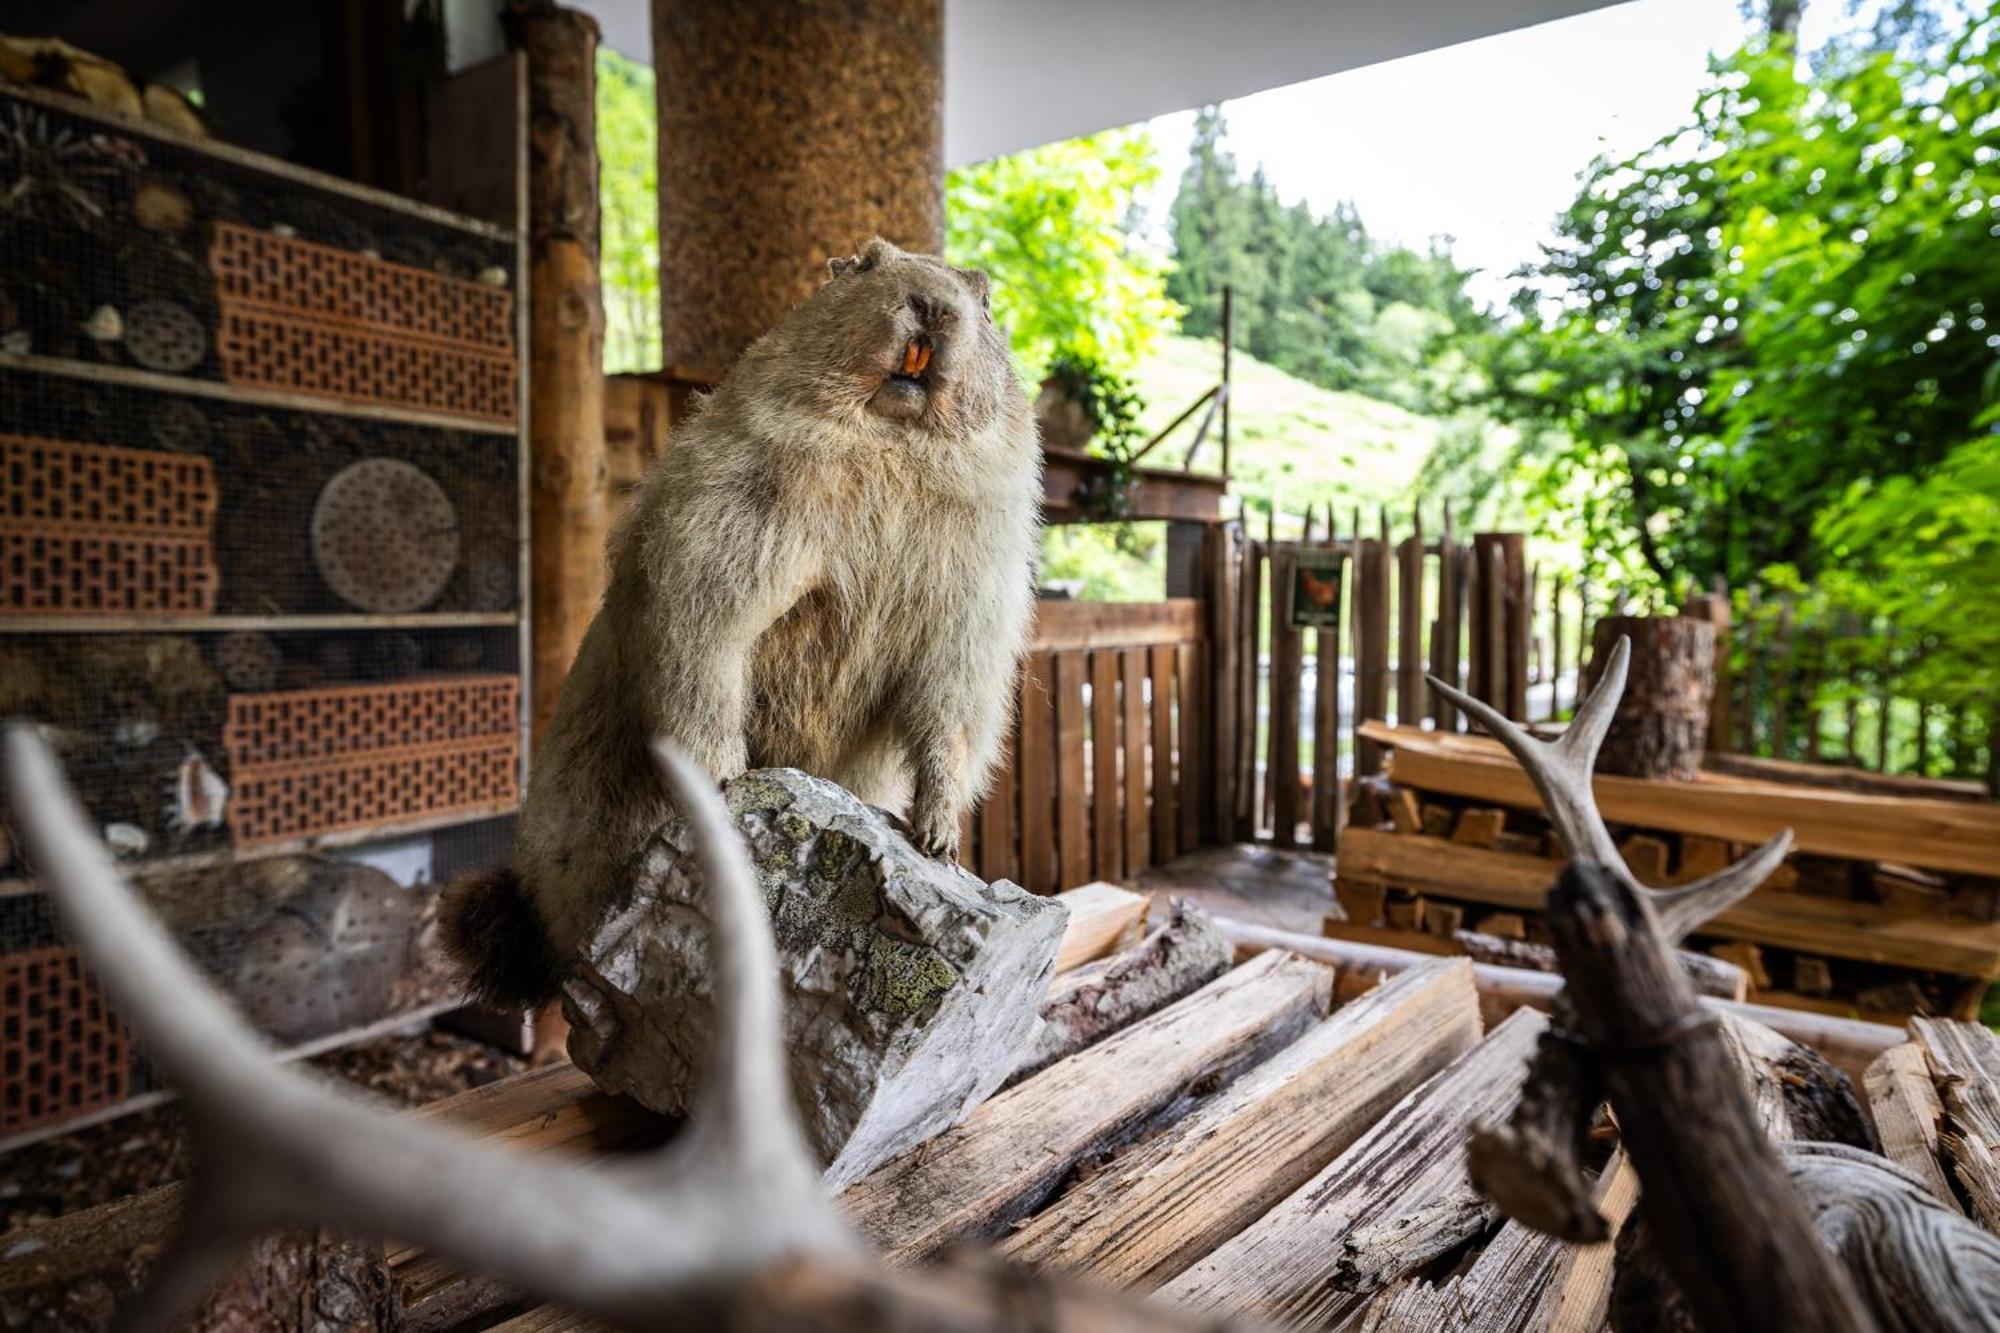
(1701, 857)
(1404, 811)
(1161, 1207)
(1661, 723)
(1521, 1280)
(1479, 825)
(1504, 925)
(1014, 1150)
(1360, 903)
(1811, 976)
(1907, 889)
(1907, 1113)
(1092, 1002)
(1647, 857)
(1408, 1166)
(1747, 956)
(1101, 917)
(1965, 1064)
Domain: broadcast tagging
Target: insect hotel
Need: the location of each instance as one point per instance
(1296, 967)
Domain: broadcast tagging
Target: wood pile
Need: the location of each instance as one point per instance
(1888, 907)
(1240, 1153)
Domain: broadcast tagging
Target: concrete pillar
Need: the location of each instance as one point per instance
(790, 132)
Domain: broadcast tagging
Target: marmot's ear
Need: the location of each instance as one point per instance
(838, 267)
(982, 286)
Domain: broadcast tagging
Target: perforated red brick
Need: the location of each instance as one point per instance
(263, 349)
(62, 1052)
(291, 276)
(95, 528)
(304, 763)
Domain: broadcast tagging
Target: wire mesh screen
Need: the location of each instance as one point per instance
(260, 553)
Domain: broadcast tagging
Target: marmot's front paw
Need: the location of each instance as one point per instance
(935, 834)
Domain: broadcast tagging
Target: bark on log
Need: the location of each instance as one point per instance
(569, 478)
(1091, 1003)
(1662, 719)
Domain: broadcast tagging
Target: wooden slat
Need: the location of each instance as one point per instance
(997, 854)
(1326, 806)
(1072, 794)
(1903, 1103)
(1410, 687)
(1063, 625)
(1371, 651)
(1138, 812)
(1191, 766)
(1220, 553)
(1100, 915)
(1166, 1204)
(1106, 818)
(1445, 638)
(1278, 1269)
(1035, 743)
(1936, 835)
(1250, 597)
(971, 1181)
(1287, 667)
(1166, 807)
(1841, 927)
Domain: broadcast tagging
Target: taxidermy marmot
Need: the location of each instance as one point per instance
(831, 569)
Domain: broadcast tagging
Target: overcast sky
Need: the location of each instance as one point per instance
(1481, 142)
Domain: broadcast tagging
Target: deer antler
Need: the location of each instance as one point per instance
(1561, 771)
(736, 1193)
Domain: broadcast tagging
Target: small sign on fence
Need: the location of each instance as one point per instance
(1316, 588)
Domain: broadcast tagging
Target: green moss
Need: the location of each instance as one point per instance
(905, 979)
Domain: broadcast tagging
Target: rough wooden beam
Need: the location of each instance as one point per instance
(1410, 1163)
(1163, 1206)
(1013, 1151)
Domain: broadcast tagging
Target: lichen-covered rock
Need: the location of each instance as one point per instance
(911, 985)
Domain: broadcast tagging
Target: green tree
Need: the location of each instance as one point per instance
(629, 198)
(1051, 227)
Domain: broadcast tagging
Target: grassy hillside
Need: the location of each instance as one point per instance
(1294, 441)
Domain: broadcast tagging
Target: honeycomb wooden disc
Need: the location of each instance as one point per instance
(385, 536)
(162, 335)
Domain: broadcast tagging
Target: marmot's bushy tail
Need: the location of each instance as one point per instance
(492, 933)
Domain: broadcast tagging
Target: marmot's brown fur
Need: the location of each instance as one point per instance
(830, 569)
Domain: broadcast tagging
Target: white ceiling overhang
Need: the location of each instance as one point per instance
(1025, 72)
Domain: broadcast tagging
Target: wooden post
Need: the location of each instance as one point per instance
(1326, 803)
(1251, 665)
(1225, 673)
(1503, 569)
(1555, 647)
(1287, 669)
(1445, 635)
(1228, 346)
(1410, 689)
(569, 493)
(1371, 648)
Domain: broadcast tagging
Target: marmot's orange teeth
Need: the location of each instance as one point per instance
(923, 357)
(912, 357)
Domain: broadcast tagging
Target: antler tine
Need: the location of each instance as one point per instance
(276, 1148)
(1562, 770)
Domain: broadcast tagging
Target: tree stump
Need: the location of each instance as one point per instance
(1662, 720)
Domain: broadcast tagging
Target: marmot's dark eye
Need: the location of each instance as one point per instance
(866, 265)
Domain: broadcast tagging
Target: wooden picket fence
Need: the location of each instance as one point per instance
(1390, 609)
(1105, 771)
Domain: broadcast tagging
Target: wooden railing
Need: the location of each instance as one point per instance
(1103, 775)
